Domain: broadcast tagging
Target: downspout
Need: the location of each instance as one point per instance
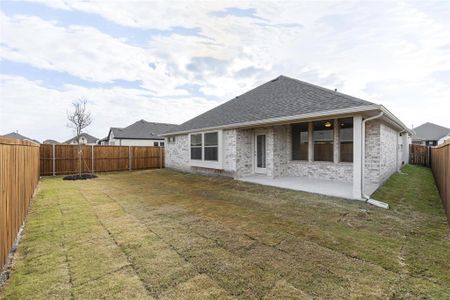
(405, 149)
(363, 152)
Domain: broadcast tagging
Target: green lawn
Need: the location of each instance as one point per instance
(168, 235)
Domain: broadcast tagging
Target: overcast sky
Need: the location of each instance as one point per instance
(169, 61)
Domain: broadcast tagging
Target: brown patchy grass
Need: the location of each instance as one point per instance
(168, 235)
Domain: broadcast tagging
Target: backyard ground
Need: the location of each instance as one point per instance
(168, 235)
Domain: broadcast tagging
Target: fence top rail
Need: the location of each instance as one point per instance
(99, 146)
(446, 144)
(9, 141)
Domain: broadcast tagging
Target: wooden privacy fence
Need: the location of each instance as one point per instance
(64, 159)
(19, 176)
(441, 171)
(420, 155)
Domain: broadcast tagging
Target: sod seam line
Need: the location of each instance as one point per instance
(65, 250)
(130, 263)
(172, 248)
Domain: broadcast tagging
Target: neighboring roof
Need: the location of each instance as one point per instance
(50, 142)
(89, 138)
(142, 130)
(430, 132)
(17, 136)
(280, 97)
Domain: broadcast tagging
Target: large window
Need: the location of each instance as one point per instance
(323, 140)
(346, 139)
(300, 141)
(211, 146)
(196, 146)
(205, 146)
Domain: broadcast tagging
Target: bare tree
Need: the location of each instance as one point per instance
(79, 119)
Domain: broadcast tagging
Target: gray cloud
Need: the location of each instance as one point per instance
(202, 66)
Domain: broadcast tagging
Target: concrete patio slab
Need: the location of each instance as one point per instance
(318, 186)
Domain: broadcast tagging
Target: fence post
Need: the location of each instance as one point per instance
(53, 161)
(160, 157)
(129, 158)
(92, 159)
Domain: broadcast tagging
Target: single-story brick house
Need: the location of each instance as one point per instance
(430, 134)
(293, 134)
(140, 133)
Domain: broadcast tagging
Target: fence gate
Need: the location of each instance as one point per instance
(420, 155)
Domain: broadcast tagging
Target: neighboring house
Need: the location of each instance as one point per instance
(430, 134)
(103, 141)
(140, 133)
(50, 142)
(17, 136)
(85, 139)
(444, 139)
(293, 134)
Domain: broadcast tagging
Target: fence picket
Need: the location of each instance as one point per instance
(64, 158)
(19, 176)
(441, 171)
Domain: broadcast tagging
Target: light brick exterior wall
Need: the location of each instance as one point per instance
(372, 153)
(177, 155)
(244, 152)
(382, 154)
(229, 150)
(388, 151)
(238, 155)
(281, 153)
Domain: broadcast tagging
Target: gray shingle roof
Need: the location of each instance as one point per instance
(89, 138)
(50, 142)
(281, 97)
(142, 130)
(17, 136)
(430, 132)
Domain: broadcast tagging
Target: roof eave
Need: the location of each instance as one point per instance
(283, 119)
(138, 138)
(396, 120)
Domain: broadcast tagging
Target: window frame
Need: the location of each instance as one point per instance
(326, 142)
(340, 142)
(212, 164)
(201, 147)
(204, 146)
(336, 141)
(300, 141)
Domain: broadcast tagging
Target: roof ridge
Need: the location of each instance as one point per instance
(434, 124)
(323, 88)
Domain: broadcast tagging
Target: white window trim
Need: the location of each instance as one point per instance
(207, 163)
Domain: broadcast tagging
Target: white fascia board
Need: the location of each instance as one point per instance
(324, 113)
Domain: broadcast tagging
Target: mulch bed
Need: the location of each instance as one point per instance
(79, 177)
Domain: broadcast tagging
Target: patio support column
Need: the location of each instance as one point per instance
(336, 141)
(310, 142)
(357, 157)
(270, 155)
